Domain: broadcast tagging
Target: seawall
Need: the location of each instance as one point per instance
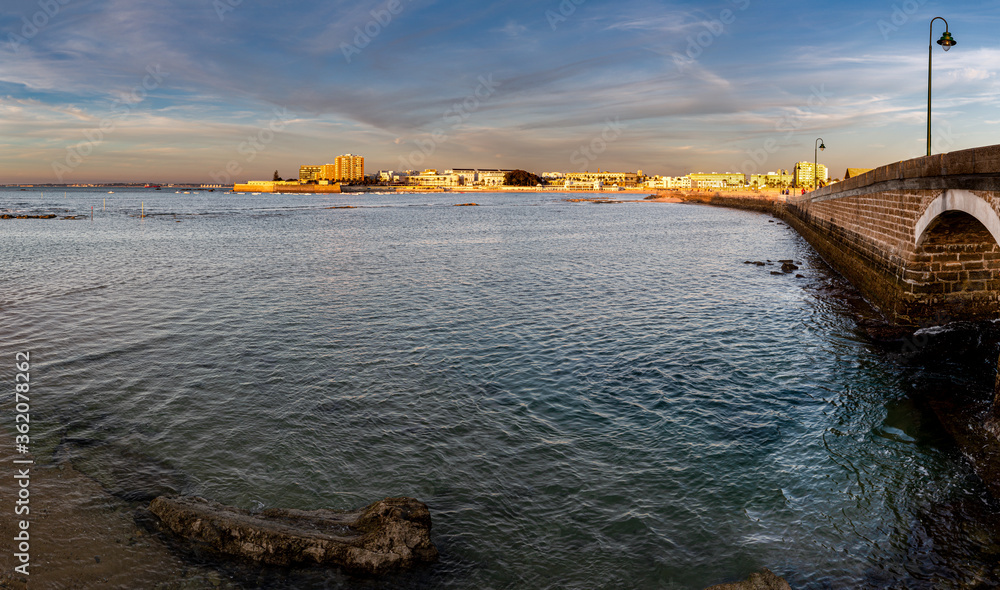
(294, 189)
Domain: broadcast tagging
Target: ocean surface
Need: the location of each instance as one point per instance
(585, 395)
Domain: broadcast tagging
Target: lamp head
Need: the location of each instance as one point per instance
(947, 41)
(822, 146)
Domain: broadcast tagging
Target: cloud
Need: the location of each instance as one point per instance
(513, 29)
(556, 88)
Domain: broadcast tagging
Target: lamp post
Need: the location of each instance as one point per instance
(946, 42)
(820, 147)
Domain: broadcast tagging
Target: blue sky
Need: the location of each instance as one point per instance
(203, 90)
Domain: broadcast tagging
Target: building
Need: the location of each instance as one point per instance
(806, 177)
(587, 185)
(431, 178)
(310, 173)
(621, 179)
(718, 179)
(481, 176)
(668, 182)
(349, 167)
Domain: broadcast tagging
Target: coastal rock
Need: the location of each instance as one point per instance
(467, 205)
(387, 535)
(762, 580)
(788, 267)
(9, 216)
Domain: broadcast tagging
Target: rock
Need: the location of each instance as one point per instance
(774, 272)
(388, 535)
(9, 216)
(759, 263)
(788, 267)
(762, 580)
(800, 276)
(467, 205)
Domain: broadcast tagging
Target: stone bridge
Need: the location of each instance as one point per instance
(918, 238)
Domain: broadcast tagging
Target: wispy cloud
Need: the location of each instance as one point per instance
(557, 87)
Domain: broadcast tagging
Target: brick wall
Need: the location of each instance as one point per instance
(865, 228)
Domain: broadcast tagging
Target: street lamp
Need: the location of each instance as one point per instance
(821, 147)
(946, 42)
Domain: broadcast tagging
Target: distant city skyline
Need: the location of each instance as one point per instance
(220, 91)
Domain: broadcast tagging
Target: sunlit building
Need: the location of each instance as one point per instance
(310, 173)
(668, 182)
(349, 167)
(717, 179)
(622, 179)
(806, 176)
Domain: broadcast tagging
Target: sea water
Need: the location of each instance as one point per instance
(585, 395)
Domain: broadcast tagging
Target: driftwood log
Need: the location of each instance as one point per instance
(388, 535)
(762, 580)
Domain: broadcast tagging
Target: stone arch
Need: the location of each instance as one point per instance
(957, 200)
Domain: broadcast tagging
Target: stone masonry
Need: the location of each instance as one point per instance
(918, 238)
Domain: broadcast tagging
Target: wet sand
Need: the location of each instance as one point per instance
(83, 537)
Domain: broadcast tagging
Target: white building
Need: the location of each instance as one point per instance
(431, 177)
(669, 182)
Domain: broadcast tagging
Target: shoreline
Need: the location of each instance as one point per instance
(82, 533)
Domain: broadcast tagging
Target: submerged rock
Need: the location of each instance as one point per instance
(762, 580)
(390, 534)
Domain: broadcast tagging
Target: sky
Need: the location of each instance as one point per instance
(231, 90)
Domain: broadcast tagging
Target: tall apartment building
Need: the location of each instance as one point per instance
(349, 167)
(806, 176)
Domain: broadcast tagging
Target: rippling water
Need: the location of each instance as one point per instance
(586, 396)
